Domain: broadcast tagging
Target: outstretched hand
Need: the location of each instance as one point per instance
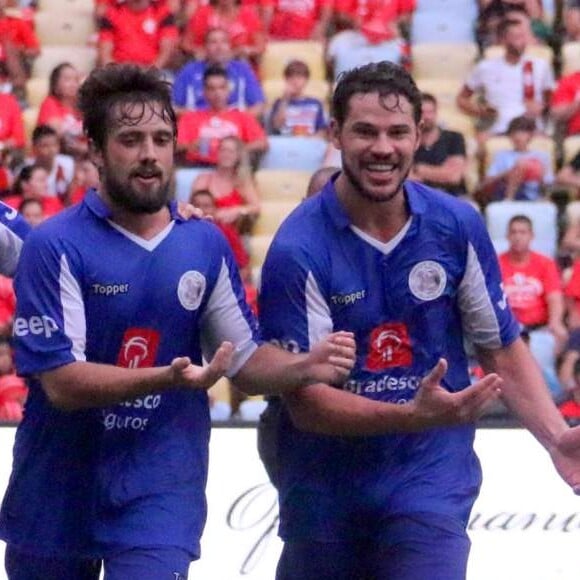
(185, 373)
(331, 360)
(435, 406)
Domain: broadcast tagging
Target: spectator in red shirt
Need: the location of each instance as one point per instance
(139, 32)
(18, 30)
(566, 103)
(241, 22)
(297, 19)
(59, 109)
(12, 137)
(13, 390)
(200, 132)
(532, 282)
(32, 183)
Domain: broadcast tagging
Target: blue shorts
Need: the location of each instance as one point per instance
(409, 547)
(160, 563)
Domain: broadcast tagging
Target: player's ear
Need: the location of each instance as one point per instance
(96, 154)
(334, 133)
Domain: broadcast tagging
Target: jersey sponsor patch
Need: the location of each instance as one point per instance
(191, 289)
(389, 346)
(139, 348)
(427, 280)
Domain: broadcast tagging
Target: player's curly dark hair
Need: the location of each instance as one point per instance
(385, 78)
(135, 89)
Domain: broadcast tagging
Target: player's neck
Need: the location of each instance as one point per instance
(380, 220)
(144, 225)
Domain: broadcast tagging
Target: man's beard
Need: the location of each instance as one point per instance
(128, 198)
(369, 196)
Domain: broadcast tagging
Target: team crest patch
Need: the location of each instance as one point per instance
(427, 280)
(191, 289)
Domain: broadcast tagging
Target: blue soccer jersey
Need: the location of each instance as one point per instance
(409, 302)
(91, 481)
(13, 230)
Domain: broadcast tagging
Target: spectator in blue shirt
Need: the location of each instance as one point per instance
(245, 91)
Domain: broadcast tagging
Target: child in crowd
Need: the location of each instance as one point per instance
(521, 173)
(294, 113)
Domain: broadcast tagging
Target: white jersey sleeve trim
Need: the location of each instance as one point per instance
(318, 314)
(224, 320)
(479, 320)
(73, 310)
(10, 248)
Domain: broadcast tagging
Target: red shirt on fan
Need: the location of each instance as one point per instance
(376, 18)
(528, 285)
(242, 31)
(11, 122)
(566, 92)
(136, 36)
(51, 108)
(295, 19)
(210, 127)
(20, 31)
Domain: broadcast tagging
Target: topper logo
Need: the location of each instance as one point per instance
(37, 325)
(139, 348)
(389, 347)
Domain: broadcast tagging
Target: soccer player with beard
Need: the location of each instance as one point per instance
(377, 478)
(118, 300)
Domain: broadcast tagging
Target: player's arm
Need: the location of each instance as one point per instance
(82, 385)
(452, 170)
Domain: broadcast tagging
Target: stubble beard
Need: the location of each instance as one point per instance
(365, 193)
(133, 201)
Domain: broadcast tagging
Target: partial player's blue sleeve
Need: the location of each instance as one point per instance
(486, 316)
(226, 315)
(13, 230)
(293, 306)
(49, 326)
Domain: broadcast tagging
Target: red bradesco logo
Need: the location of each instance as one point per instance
(139, 348)
(389, 347)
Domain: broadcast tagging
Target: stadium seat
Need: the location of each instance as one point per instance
(282, 184)
(354, 56)
(306, 153)
(259, 245)
(272, 214)
(444, 90)
(544, 216)
(571, 146)
(279, 53)
(65, 6)
(502, 143)
(36, 91)
(457, 8)
(72, 28)
(437, 27)
(82, 57)
(455, 120)
(570, 57)
(184, 178)
(443, 61)
(317, 88)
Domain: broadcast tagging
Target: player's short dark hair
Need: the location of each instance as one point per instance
(385, 78)
(42, 131)
(522, 219)
(132, 87)
(522, 123)
(214, 70)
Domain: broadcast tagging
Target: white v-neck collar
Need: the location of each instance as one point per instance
(383, 247)
(148, 245)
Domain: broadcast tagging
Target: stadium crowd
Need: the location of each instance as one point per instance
(251, 81)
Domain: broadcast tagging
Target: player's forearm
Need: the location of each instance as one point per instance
(273, 370)
(450, 172)
(524, 391)
(83, 385)
(329, 411)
